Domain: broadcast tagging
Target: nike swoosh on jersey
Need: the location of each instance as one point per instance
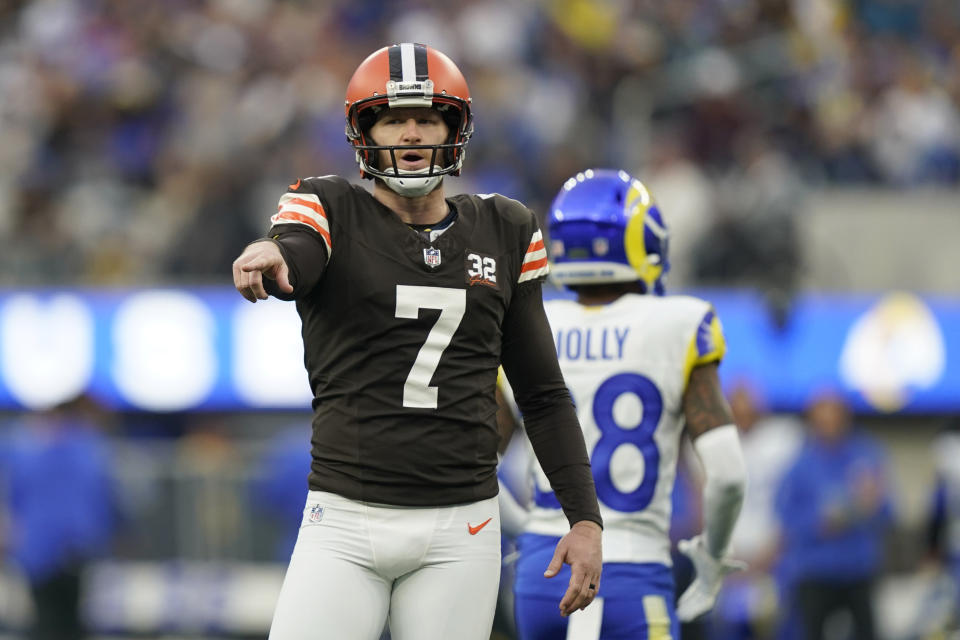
(475, 530)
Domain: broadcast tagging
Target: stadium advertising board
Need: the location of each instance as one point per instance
(165, 350)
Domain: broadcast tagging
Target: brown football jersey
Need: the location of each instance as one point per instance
(402, 338)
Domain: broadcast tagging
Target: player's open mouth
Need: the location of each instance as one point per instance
(411, 162)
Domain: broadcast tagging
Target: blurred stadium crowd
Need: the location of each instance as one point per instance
(148, 141)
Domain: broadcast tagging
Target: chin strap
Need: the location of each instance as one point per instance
(412, 184)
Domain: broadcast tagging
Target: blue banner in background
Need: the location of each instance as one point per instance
(166, 350)
(159, 350)
(894, 352)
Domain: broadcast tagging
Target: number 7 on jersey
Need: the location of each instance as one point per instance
(452, 303)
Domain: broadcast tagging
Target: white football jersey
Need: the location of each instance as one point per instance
(627, 364)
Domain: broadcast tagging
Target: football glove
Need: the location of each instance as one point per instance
(700, 596)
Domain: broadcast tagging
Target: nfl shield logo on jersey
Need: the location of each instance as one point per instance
(431, 257)
(316, 513)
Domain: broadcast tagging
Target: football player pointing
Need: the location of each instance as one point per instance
(640, 366)
(409, 302)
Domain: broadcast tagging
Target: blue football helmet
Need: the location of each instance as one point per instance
(605, 227)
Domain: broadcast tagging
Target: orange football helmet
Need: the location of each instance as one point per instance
(408, 75)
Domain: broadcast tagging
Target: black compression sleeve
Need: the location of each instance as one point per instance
(530, 361)
(306, 258)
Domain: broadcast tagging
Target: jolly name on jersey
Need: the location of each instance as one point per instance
(592, 343)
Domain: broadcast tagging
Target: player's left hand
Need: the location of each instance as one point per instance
(700, 596)
(581, 549)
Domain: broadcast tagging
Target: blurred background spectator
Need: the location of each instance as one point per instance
(834, 505)
(62, 510)
(279, 485)
(943, 524)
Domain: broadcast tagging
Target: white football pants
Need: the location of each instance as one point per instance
(432, 571)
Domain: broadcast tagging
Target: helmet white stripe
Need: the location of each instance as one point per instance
(408, 62)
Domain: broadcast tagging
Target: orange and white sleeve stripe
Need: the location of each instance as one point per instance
(305, 209)
(535, 260)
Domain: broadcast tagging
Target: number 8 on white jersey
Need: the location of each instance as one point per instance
(627, 365)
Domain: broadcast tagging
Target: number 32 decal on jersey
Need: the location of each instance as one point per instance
(614, 435)
(452, 303)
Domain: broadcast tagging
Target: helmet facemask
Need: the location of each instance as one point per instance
(444, 159)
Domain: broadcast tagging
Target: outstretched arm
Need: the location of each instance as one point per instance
(286, 265)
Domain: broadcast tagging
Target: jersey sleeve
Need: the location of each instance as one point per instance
(707, 344)
(534, 266)
(301, 229)
(300, 206)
